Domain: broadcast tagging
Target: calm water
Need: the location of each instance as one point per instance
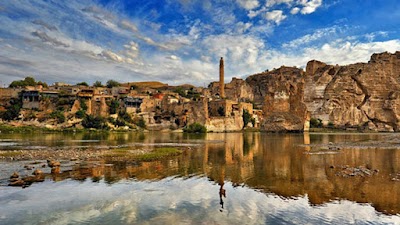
(234, 178)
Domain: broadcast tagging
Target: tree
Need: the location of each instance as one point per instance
(98, 84)
(94, 122)
(12, 111)
(28, 81)
(83, 84)
(114, 104)
(246, 117)
(113, 83)
(195, 128)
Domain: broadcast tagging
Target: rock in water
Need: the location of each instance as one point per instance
(17, 183)
(14, 175)
(37, 172)
(52, 163)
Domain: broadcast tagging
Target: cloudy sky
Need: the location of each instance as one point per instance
(181, 41)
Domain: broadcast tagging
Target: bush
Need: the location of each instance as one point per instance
(112, 83)
(140, 122)
(195, 128)
(96, 122)
(12, 111)
(114, 104)
(315, 123)
(84, 107)
(125, 116)
(80, 114)
(59, 115)
(246, 117)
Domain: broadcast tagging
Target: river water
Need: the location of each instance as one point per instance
(221, 178)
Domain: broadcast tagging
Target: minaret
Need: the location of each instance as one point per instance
(221, 78)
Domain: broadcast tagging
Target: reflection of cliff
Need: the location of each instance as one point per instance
(270, 163)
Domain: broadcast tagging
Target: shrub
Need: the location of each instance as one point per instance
(195, 128)
(246, 117)
(80, 114)
(140, 122)
(315, 123)
(125, 116)
(112, 83)
(96, 122)
(114, 104)
(59, 115)
(12, 111)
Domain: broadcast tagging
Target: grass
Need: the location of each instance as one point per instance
(156, 154)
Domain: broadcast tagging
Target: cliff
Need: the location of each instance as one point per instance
(365, 95)
(280, 95)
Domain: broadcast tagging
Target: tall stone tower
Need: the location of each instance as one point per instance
(221, 78)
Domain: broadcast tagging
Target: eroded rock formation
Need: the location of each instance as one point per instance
(358, 95)
(280, 94)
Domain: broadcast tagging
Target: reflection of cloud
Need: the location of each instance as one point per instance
(46, 38)
(171, 201)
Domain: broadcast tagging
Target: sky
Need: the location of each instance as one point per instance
(181, 41)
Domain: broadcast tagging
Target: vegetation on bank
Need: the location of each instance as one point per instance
(195, 128)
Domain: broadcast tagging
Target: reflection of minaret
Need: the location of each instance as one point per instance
(221, 78)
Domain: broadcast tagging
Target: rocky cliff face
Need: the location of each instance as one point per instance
(280, 92)
(358, 95)
(237, 90)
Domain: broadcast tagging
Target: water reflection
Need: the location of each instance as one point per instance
(272, 164)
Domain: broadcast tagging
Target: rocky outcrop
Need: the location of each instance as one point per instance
(237, 90)
(280, 94)
(359, 95)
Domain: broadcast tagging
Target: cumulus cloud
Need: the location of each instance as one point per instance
(248, 4)
(295, 10)
(309, 6)
(271, 3)
(276, 16)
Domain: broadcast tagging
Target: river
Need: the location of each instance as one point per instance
(221, 178)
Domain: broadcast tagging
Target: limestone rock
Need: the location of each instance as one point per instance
(357, 95)
(280, 94)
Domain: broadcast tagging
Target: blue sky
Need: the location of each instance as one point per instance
(181, 41)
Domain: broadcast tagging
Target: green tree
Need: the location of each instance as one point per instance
(58, 115)
(98, 84)
(12, 111)
(113, 83)
(96, 122)
(114, 104)
(83, 84)
(246, 117)
(195, 128)
(28, 81)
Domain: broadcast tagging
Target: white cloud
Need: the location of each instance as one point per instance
(125, 24)
(248, 4)
(172, 57)
(316, 36)
(275, 16)
(271, 3)
(295, 10)
(309, 6)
